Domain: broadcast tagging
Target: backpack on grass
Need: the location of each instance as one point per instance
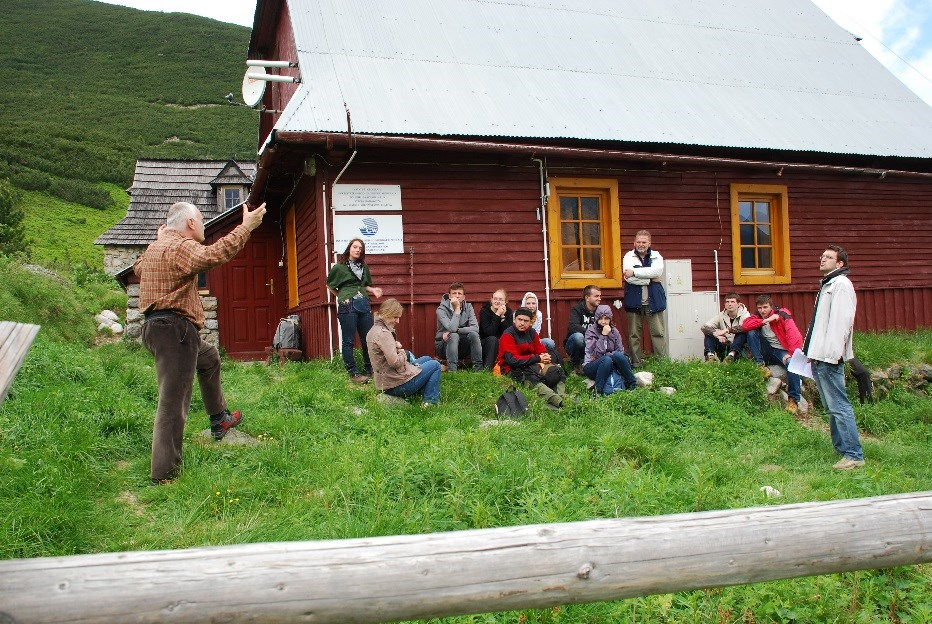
(512, 404)
(288, 334)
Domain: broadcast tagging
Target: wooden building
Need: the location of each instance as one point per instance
(525, 143)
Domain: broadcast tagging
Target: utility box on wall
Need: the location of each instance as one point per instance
(686, 311)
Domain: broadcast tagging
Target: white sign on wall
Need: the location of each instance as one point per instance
(367, 197)
(383, 234)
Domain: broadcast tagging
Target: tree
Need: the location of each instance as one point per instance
(12, 233)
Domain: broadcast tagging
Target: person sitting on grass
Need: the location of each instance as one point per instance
(396, 373)
(605, 354)
(523, 357)
(725, 337)
(531, 303)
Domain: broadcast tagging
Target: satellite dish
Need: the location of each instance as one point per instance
(253, 89)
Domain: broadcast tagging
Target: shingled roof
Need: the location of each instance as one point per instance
(157, 184)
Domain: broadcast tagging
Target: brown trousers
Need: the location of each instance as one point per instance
(636, 328)
(179, 353)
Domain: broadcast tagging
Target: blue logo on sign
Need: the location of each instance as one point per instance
(369, 227)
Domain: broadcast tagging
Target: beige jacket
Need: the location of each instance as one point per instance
(390, 364)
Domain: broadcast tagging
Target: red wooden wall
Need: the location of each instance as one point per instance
(473, 219)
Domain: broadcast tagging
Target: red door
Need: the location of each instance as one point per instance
(252, 299)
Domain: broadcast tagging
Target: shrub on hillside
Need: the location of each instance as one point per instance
(81, 193)
(30, 180)
(12, 233)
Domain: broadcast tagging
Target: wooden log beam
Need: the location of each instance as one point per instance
(418, 576)
(15, 340)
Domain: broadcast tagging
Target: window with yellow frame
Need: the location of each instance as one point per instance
(760, 234)
(583, 232)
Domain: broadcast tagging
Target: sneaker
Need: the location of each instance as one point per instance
(730, 357)
(359, 379)
(848, 464)
(230, 419)
(792, 406)
(711, 358)
(765, 371)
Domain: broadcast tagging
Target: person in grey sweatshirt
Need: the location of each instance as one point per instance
(457, 329)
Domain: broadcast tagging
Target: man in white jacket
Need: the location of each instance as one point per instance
(644, 296)
(828, 345)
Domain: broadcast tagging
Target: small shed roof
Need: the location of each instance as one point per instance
(157, 184)
(723, 73)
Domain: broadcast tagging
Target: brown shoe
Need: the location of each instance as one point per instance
(792, 406)
(765, 371)
(848, 464)
(359, 379)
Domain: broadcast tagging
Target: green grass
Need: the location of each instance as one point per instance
(333, 463)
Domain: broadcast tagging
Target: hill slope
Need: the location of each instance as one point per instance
(88, 87)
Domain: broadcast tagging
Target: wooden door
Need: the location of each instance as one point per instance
(252, 300)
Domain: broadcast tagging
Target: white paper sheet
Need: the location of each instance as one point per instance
(799, 364)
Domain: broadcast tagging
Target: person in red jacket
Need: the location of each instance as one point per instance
(779, 339)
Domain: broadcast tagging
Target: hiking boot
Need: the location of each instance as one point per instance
(228, 420)
(848, 464)
(711, 358)
(730, 357)
(359, 379)
(765, 371)
(792, 406)
(578, 369)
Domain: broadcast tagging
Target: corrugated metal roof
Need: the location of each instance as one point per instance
(157, 184)
(731, 73)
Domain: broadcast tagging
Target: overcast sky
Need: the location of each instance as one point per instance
(897, 32)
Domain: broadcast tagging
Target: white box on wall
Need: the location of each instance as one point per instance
(678, 276)
(683, 320)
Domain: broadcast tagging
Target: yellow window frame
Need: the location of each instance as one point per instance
(610, 233)
(776, 195)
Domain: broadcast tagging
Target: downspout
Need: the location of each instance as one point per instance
(350, 138)
(718, 296)
(542, 216)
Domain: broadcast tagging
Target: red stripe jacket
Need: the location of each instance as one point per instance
(784, 327)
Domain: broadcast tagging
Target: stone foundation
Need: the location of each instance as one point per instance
(118, 257)
(134, 318)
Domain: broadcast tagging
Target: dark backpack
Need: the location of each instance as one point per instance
(288, 334)
(512, 404)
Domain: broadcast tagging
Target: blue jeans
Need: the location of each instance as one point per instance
(600, 369)
(549, 344)
(776, 356)
(427, 381)
(830, 380)
(355, 317)
(575, 347)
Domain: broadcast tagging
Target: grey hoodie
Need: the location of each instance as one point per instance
(462, 323)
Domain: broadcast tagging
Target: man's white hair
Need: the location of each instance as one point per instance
(178, 215)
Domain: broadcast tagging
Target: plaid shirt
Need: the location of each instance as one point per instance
(168, 271)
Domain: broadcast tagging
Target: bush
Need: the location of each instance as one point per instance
(82, 193)
(30, 180)
(12, 232)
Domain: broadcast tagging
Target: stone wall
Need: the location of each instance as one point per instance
(118, 257)
(134, 319)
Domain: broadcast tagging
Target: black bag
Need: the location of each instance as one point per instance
(512, 404)
(288, 334)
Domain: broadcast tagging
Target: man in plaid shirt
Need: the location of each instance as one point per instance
(168, 271)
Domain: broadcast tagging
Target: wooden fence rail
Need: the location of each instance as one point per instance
(417, 576)
(15, 340)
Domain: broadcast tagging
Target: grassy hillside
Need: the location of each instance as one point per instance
(89, 87)
(333, 463)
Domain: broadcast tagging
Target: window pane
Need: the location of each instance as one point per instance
(747, 258)
(231, 197)
(569, 232)
(747, 234)
(744, 211)
(569, 208)
(592, 233)
(763, 235)
(570, 260)
(764, 259)
(592, 256)
(763, 211)
(590, 208)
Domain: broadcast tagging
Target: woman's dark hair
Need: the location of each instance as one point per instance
(344, 257)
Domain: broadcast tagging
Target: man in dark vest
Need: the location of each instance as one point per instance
(644, 296)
